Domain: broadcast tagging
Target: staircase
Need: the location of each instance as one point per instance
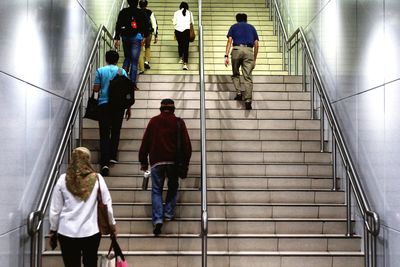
(270, 200)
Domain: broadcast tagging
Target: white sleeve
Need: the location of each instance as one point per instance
(154, 23)
(174, 20)
(56, 205)
(106, 197)
(191, 18)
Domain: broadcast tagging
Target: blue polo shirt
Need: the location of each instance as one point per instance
(103, 77)
(242, 33)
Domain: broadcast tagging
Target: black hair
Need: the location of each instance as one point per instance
(241, 17)
(133, 3)
(143, 3)
(112, 57)
(185, 7)
(167, 104)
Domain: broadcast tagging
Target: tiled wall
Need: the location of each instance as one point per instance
(44, 45)
(357, 45)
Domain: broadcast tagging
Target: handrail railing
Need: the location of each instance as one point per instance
(370, 218)
(204, 212)
(35, 218)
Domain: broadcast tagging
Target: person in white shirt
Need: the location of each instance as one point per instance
(182, 19)
(73, 211)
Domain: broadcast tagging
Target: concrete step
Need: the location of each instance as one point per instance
(245, 182)
(237, 210)
(228, 242)
(230, 259)
(239, 226)
(238, 169)
(259, 196)
(238, 146)
(217, 135)
(239, 157)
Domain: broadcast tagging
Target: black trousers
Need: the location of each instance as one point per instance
(110, 129)
(183, 44)
(73, 249)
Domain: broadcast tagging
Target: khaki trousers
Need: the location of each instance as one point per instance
(145, 52)
(243, 57)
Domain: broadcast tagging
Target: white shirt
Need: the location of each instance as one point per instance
(182, 23)
(73, 217)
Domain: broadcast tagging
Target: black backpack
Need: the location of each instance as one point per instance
(121, 92)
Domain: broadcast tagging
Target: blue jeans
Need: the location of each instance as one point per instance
(132, 48)
(158, 174)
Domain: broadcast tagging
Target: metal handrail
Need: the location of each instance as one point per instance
(370, 217)
(35, 218)
(204, 212)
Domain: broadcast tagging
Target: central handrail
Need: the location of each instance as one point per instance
(203, 150)
(35, 218)
(370, 217)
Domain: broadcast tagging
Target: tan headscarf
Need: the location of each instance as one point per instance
(81, 177)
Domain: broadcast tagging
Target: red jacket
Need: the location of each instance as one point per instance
(160, 138)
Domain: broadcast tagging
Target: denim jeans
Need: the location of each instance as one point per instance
(132, 48)
(110, 128)
(158, 175)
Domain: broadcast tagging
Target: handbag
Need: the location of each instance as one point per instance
(192, 35)
(119, 256)
(92, 109)
(107, 260)
(181, 168)
(102, 213)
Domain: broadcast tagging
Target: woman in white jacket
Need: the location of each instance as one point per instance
(73, 211)
(182, 19)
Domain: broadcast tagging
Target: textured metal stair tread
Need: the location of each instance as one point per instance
(224, 253)
(227, 177)
(218, 78)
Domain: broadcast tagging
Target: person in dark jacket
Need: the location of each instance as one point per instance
(160, 144)
(132, 27)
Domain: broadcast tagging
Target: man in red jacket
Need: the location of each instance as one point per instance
(159, 143)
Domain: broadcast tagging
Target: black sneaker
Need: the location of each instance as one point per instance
(113, 161)
(157, 229)
(248, 106)
(146, 65)
(238, 97)
(105, 171)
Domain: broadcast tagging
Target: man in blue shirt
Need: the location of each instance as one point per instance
(243, 39)
(110, 119)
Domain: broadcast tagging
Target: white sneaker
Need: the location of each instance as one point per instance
(185, 67)
(180, 61)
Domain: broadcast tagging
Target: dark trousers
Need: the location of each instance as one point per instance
(183, 44)
(110, 129)
(73, 249)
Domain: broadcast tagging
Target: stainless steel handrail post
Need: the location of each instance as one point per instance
(348, 203)
(203, 151)
(312, 93)
(334, 162)
(322, 130)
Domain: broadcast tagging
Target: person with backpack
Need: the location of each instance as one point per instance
(111, 113)
(132, 27)
(145, 53)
